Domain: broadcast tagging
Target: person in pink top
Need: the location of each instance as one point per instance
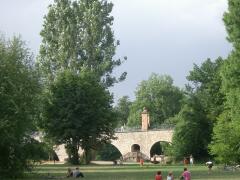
(186, 174)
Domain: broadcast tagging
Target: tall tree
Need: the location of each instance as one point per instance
(225, 145)
(191, 135)
(202, 107)
(19, 88)
(159, 96)
(78, 35)
(79, 113)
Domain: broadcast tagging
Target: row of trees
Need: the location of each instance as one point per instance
(216, 96)
(206, 113)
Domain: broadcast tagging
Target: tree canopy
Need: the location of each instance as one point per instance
(78, 35)
(159, 96)
(79, 113)
(207, 83)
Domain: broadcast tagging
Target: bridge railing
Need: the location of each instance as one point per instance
(138, 128)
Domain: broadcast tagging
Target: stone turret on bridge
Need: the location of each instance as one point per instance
(145, 120)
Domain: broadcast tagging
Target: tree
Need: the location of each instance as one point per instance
(207, 86)
(225, 145)
(202, 107)
(159, 96)
(122, 109)
(79, 113)
(78, 35)
(226, 130)
(191, 134)
(19, 88)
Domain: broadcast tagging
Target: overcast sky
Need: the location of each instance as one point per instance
(160, 36)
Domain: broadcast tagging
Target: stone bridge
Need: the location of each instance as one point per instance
(143, 139)
(126, 141)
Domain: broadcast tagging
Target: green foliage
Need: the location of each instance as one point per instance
(161, 98)
(49, 148)
(232, 23)
(225, 145)
(122, 109)
(79, 113)
(207, 104)
(108, 152)
(19, 88)
(36, 151)
(78, 35)
(207, 85)
(191, 134)
(77, 53)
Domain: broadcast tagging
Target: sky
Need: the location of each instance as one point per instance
(158, 36)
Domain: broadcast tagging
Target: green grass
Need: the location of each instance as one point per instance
(130, 172)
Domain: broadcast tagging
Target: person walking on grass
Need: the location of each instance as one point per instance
(209, 165)
(158, 176)
(170, 176)
(186, 175)
(191, 159)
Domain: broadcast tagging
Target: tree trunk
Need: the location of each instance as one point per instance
(72, 151)
(87, 153)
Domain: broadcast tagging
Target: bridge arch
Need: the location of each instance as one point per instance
(107, 152)
(159, 148)
(135, 148)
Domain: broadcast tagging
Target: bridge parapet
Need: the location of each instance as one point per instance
(138, 128)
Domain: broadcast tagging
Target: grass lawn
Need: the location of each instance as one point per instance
(130, 172)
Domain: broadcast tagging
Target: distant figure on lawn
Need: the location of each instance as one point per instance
(191, 159)
(186, 175)
(141, 162)
(77, 173)
(170, 176)
(209, 165)
(69, 173)
(158, 176)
